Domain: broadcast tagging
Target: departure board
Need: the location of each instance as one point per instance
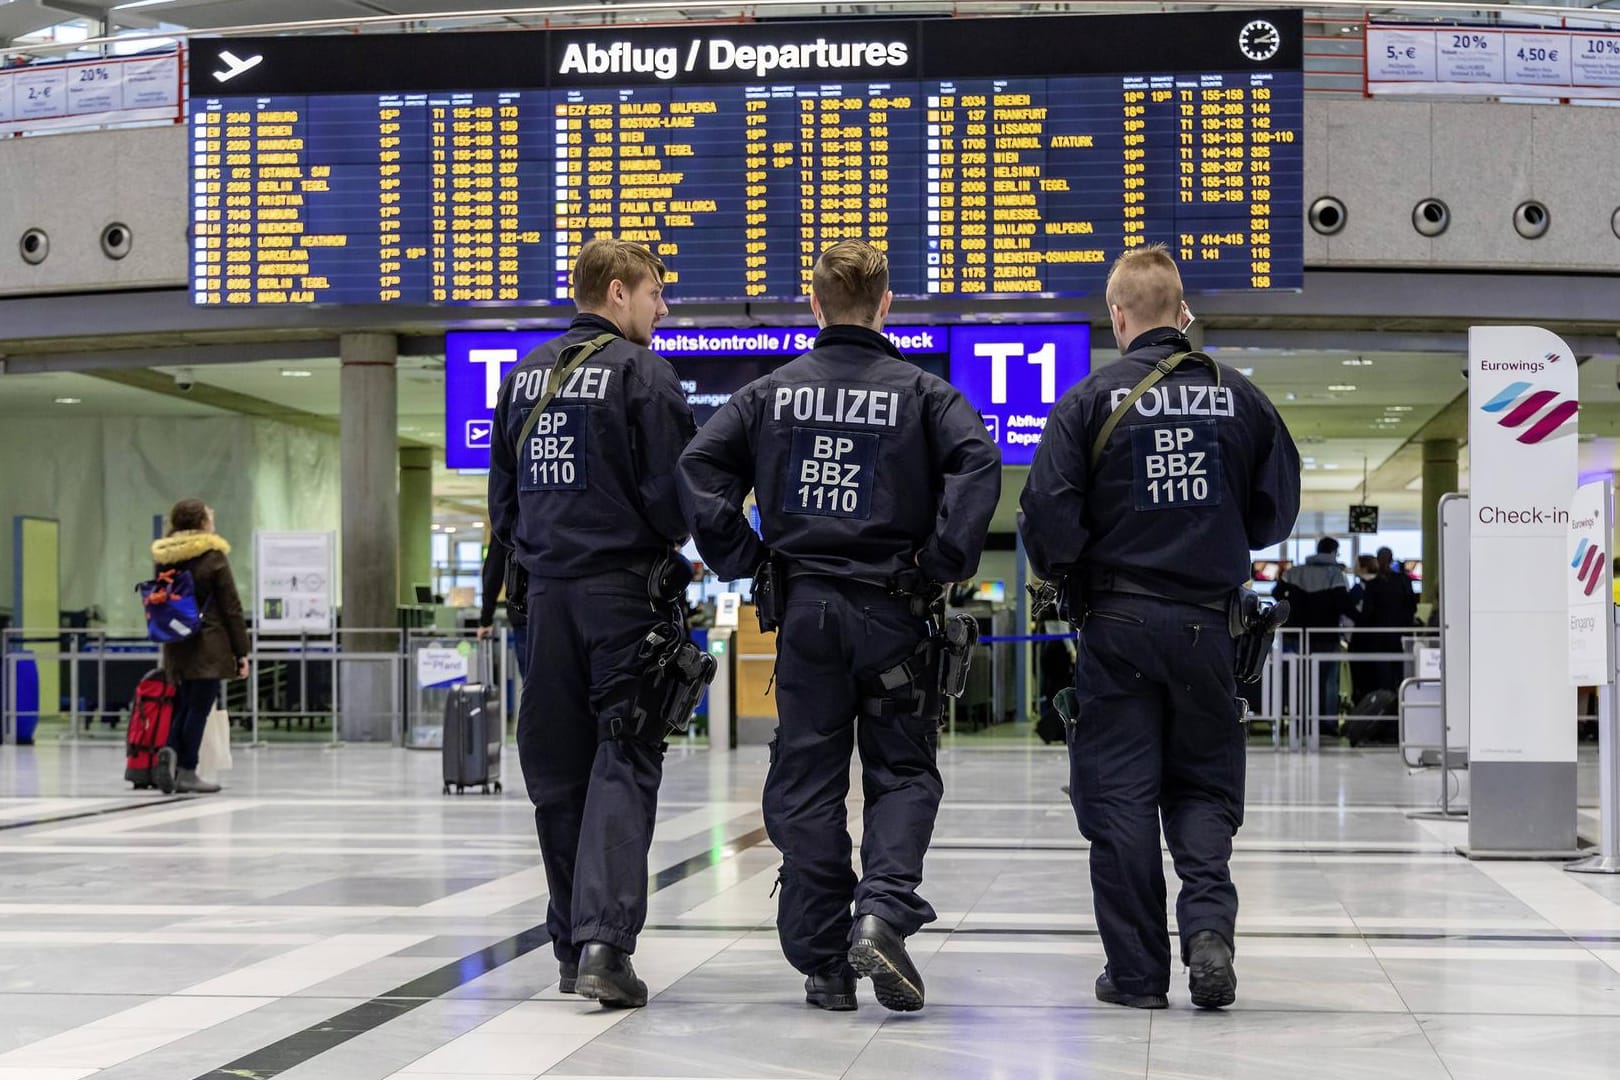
(987, 157)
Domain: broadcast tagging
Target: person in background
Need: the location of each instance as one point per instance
(495, 560)
(1318, 597)
(1388, 604)
(1363, 673)
(216, 652)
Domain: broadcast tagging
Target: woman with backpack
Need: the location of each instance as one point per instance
(216, 651)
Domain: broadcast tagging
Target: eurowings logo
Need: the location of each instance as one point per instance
(1546, 414)
(1588, 566)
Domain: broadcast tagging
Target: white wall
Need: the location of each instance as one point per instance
(105, 478)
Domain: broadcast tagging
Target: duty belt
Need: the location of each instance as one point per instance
(1113, 583)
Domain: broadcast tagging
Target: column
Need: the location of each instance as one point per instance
(370, 544)
(1439, 478)
(415, 520)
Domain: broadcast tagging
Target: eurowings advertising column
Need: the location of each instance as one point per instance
(1523, 405)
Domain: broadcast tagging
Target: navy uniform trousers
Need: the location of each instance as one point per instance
(1158, 734)
(595, 797)
(834, 631)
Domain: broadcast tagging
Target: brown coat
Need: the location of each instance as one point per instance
(213, 652)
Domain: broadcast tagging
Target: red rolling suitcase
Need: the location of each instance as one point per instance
(150, 718)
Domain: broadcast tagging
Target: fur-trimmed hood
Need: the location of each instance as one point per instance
(185, 546)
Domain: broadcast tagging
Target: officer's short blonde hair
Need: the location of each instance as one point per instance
(1147, 285)
(605, 260)
(849, 282)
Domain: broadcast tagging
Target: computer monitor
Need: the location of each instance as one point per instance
(424, 594)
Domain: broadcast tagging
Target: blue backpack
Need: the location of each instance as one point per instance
(172, 612)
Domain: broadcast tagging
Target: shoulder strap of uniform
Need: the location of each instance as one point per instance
(575, 354)
(1160, 370)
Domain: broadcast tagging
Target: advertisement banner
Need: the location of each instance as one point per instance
(112, 90)
(1523, 408)
(1482, 60)
(294, 575)
(1591, 585)
(441, 667)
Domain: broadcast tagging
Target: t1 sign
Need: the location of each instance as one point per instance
(1014, 375)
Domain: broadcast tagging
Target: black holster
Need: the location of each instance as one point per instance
(910, 689)
(957, 638)
(517, 588)
(1053, 599)
(1253, 623)
(770, 594)
(674, 675)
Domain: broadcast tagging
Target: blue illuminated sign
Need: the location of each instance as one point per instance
(1014, 375)
(476, 361)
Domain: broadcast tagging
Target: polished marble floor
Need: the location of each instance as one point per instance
(332, 917)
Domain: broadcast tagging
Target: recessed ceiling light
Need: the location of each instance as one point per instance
(69, 401)
(1397, 408)
(1246, 371)
(1356, 361)
(295, 373)
(1330, 465)
(1310, 467)
(449, 528)
(1342, 388)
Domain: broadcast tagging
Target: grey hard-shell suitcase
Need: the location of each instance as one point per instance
(472, 739)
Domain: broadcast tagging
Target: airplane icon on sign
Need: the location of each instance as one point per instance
(234, 66)
(478, 433)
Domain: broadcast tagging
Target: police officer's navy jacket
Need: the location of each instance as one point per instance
(863, 465)
(1193, 479)
(594, 489)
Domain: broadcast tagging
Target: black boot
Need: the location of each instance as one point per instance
(1110, 994)
(832, 989)
(606, 975)
(568, 976)
(1210, 976)
(879, 954)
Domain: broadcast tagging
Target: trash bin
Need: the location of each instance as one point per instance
(27, 697)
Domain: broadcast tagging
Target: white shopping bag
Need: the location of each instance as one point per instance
(215, 755)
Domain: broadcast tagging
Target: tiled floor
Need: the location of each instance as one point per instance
(332, 917)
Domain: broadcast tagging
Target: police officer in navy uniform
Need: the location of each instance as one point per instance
(1152, 533)
(875, 482)
(588, 503)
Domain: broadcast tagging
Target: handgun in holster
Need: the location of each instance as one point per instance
(674, 674)
(517, 588)
(1051, 599)
(1253, 623)
(770, 594)
(956, 638)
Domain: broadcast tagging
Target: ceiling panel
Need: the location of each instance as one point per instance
(35, 396)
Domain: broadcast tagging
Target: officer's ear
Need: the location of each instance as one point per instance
(1116, 319)
(883, 307)
(815, 309)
